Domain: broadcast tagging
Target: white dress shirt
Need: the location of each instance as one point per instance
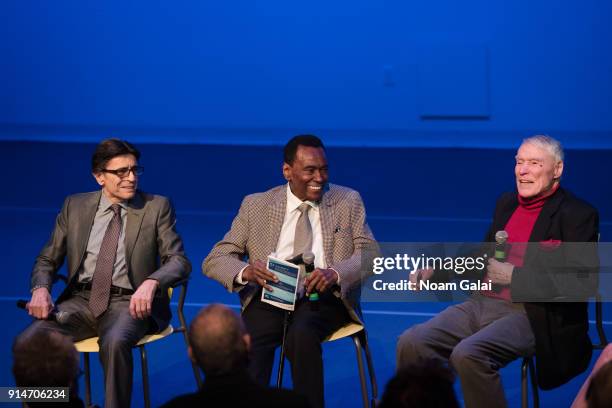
(284, 247)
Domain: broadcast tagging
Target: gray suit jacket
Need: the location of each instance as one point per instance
(153, 247)
(256, 229)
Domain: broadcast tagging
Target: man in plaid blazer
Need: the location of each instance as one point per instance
(265, 224)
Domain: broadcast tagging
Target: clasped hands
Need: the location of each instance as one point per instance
(500, 273)
(318, 280)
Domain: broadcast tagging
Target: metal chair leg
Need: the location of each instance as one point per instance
(373, 384)
(196, 370)
(362, 380)
(524, 391)
(197, 374)
(281, 368)
(603, 341)
(281, 363)
(87, 380)
(145, 376)
(534, 384)
(528, 369)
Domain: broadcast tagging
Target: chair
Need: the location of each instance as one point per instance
(525, 366)
(528, 361)
(358, 333)
(528, 369)
(90, 345)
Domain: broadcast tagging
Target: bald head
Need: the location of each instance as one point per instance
(219, 342)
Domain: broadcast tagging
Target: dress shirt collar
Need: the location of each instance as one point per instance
(293, 202)
(106, 203)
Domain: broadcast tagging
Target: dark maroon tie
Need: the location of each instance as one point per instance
(103, 275)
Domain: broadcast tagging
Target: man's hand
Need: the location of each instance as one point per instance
(258, 273)
(418, 276)
(142, 299)
(40, 304)
(500, 273)
(320, 280)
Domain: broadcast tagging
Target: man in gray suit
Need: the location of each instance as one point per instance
(123, 254)
(307, 214)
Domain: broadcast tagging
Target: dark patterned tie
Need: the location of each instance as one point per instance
(103, 275)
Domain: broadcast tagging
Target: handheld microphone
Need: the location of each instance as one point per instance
(54, 315)
(313, 297)
(501, 253)
(500, 246)
(297, 260)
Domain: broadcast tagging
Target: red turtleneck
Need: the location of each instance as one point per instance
(519, 229)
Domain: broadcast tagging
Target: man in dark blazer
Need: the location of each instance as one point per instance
(267, 223)
(538, 305)
(123, 254)
(219, 345)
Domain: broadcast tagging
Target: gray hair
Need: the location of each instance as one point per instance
(552, 145)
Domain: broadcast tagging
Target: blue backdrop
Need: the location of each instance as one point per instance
(411, 194)
(394, 70)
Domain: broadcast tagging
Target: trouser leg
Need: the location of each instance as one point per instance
(265, 325)
(436, 338)
(118, 334)
(478, 337)
(478, 358)
(306, 332)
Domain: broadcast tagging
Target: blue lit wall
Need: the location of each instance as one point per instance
(436, 72)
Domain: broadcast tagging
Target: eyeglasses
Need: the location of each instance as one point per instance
(125, 171)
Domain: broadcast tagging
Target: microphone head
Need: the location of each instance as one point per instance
(62, 317)
(308, 257)
(296, 260)
(501, 237)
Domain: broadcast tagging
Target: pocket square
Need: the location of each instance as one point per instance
(550, 244)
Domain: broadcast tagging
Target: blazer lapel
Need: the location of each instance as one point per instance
(326, 212)
(136, 210)
(506, 212)
(84, 223)
(276, 215)
(542, 225)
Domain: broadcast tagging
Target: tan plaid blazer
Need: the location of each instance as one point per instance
(256, 229)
